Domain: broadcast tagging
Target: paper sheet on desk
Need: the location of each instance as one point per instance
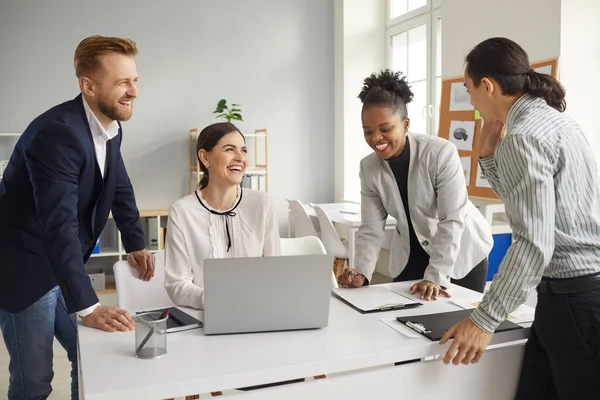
(521, 315)
(401, 328)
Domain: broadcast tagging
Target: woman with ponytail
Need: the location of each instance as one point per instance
(418, 179)
(542, 167)
(219, 220)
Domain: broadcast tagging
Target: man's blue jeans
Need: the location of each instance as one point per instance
(29, 336)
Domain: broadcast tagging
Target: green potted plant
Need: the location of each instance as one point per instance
(228, 113)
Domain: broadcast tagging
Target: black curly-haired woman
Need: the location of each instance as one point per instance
(440, 236)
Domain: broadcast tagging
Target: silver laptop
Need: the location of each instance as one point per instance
(259, 294)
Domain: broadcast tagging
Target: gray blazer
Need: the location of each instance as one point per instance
(449, 227)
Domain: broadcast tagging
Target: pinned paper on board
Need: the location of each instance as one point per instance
(459, 98)
(481, 179)
(461, 134)
(466, 165)
(477, 115)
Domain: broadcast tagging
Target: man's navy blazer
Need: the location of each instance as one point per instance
(54, 203)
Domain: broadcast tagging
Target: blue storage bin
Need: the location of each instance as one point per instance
(97, 247)
(502, 242)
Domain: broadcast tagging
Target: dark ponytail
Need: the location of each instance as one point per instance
(207, 140)
(204, 179)
(508, 64)
(548, 88)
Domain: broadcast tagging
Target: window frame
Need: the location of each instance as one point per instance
(408, 16)
(428, 16)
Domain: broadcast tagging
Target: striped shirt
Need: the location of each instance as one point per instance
(545, 173)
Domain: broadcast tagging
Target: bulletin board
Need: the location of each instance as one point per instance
(460, 123)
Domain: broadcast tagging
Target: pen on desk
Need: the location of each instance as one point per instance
(399, 305)
(164, 314)
(391, 307)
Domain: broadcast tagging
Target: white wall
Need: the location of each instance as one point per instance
(275, 57)
(534, 24)
(359, 51)
(580, 65)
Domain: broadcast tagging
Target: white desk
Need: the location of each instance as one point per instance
(348, 214)
(359, 346)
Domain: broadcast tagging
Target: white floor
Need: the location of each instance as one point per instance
(61, 382)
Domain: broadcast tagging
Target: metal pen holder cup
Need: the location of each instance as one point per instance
(150, 335)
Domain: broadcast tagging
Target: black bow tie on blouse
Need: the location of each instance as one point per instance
(229, 213)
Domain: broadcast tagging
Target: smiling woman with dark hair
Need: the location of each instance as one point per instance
(220, 220)
(418, 179)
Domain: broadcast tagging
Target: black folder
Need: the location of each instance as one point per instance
(434, 326)
(178, 320)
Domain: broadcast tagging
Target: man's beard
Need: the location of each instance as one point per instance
(114, 112)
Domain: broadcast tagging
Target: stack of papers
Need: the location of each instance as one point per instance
(521, 315)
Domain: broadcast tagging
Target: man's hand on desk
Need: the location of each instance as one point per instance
(351, 278)
(143, 261)
(469, 343)
(109, 319)
(429, 290)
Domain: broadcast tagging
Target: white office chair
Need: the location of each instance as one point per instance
(331, 240)
(329, 236)
(134, 294)
(303, 225)
(303, 246)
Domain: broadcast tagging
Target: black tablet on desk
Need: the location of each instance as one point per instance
(178, 320)
(434, 326)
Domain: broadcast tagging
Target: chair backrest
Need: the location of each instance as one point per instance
(303, 225)
(305, 245)
(329, 236)
(134, 294)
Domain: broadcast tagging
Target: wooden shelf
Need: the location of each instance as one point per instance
(150, 213)
(110, 288)
(106, 254)
(154, 213)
